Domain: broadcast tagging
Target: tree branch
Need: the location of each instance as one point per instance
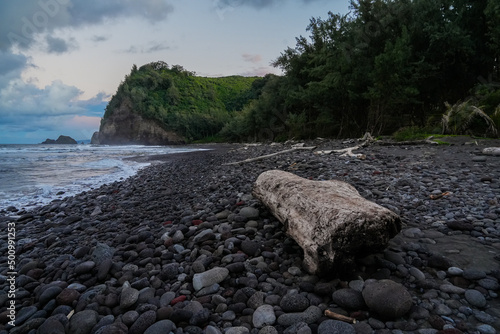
(269, 155)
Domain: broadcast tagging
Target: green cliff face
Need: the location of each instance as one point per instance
(158, 105)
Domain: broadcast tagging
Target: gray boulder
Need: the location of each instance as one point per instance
(387, 298)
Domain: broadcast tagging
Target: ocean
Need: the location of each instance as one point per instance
(34, 175)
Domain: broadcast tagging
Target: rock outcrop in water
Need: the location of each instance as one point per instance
(95, 138)
(126, 127)
(61, 140)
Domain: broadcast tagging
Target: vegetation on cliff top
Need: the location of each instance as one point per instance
(388, 64)
(194, 107)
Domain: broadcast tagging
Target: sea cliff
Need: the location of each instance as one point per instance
(126, 127)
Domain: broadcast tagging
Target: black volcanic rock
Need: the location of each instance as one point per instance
(60, 140)
(95, 139)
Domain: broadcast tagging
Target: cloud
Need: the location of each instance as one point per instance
(98, 39)
(21, 98)
(22, 21)
(59, 45)
(82, 124)
(11, 67)
(251, 58)
(150, 48)
(257, 4)
(47, 112)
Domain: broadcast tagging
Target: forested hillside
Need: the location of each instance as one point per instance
(427, 64)
(193, 107)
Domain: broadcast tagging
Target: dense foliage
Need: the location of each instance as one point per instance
(194, 107)
(385, 65)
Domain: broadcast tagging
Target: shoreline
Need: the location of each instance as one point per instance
(172, 220)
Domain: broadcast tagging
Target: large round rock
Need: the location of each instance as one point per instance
(387, 298)
(83, 322)
(335, 327)
(294, 303)
(348, 298)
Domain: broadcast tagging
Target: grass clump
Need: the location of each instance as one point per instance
(410, 133)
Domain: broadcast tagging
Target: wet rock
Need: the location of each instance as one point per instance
(298, 328)
(335, 327)
(82, 322)
(130, 317)
(439, 262)
(450, 288)
(475, 298)
(67, 297)
(49, 294)
(161, 327)
(294, 303)
(237, 330)
(24, 314)
(102, 252)
(170, 271)
(81, 252)
(128, 297)
(473, 274)
(460, 225)
(103, 269)
(105, 321)
(249, 212)
(200, 318)
(209, 277)
(309, 316)
(268, 330)
(263, 316)
(51, 326)
(349, 299)
(250, 247)
(387, 298)
(142, 323)
(84, 267)
(486, 329)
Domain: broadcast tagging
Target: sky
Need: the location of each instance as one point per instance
(62, 60)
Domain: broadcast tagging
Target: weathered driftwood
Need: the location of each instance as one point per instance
(369, 140)
(270, 155)
(492, 151)
(328, 219)
(337, 316)
(347, 152)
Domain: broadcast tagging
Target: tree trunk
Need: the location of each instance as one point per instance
(328, 219)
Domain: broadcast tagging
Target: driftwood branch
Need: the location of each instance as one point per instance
(368, 140)
(347, 152)
(336, 316)
(270, 155)
(428, 140)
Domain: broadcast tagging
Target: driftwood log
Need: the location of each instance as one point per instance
(329, 220)
(492, 151)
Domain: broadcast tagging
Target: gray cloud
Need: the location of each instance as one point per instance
(152, 47)
(11, 63)
(59, 45)
(258, 4)
(11, 67)
(22, 21)
(98, 39)
(251, 58)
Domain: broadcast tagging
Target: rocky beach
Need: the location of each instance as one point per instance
(184, 247)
